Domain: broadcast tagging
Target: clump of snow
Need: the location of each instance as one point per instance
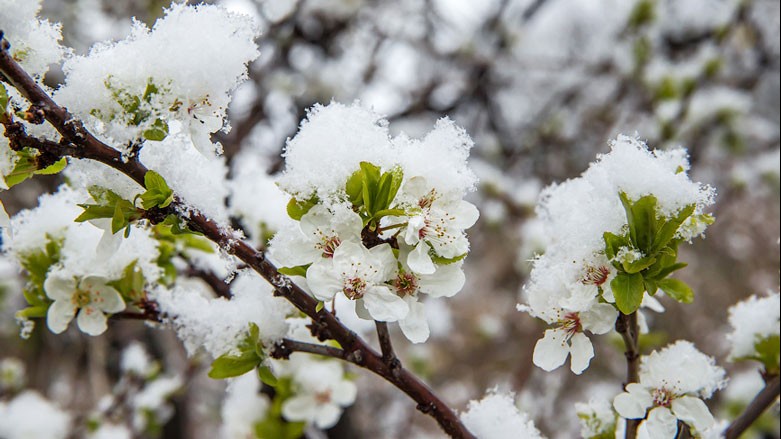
(218, 325)
(334, 139)
(34, 42)
(135, 360)
(752, 320)
(497, 417)
(29, 415)
(683, 369)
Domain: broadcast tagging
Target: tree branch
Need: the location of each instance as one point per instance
(386, 346)
(626, 325)
(78, 142)
(764, 399)
(283, 348)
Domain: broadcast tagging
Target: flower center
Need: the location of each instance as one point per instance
(663, 397)
(427, 200)
(406, 284)
(81, 298)
(328, 246)
(323, 397)
(571, 324)
(596, 275)
(354, 288)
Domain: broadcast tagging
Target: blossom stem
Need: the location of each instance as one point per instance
(764, 399)
(386, 346)
(627, 326)
(78, 142)
(391, 227)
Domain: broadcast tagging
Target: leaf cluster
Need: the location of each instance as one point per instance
(656, 238)
(37, 264)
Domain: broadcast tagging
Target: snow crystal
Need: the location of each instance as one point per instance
(218, 325)
(752, 320)
(497, 417)
(29, 415)
(34, 42)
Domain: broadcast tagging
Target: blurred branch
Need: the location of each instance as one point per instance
(627, 326)
(764, 399)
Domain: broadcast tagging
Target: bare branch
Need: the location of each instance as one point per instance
(764, 399)
(626, 325)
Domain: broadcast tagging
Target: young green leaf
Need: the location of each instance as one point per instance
(677, 289)
(294, 271)
(669, 227)
(354, 188)
(628, 290)
(296, 209)
(644, 218)
(228, 366)
(158, 131)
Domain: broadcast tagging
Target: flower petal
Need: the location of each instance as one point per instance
(327, 416)
(383, 305)
(60, 314)
(661, 424)
(5, 221)
(415, 325)
(104, 297)
(445, 282)
(551, 350)
(693, 411)
(634, 403)
(582, 352)
(386, 261)
(344, 393)
(321, 279)
(300, 408)
(419, 260)
(600, 319)
(91, 321)
(465, 215)
(59, 286)
(361, 311)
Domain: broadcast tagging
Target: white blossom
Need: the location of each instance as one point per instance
(673, 384)
(90, 296)
(321, 394)
(360, 274)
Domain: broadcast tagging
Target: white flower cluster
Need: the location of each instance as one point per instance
(597, 418)
(381, 219)
(570, 285)
(673, 383)
(753, 320)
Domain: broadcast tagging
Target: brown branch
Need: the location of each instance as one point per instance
(78, 142)
(764, 399)
(386, 346)
(626, 325)
(283, 348)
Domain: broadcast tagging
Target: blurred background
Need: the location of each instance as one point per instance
(541, 86)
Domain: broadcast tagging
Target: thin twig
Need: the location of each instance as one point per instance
(78, 142)
(764, 399)
(386, 346)
(626, 325)
(283, 348)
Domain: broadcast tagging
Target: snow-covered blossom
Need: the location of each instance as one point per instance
(22, 417)
(360, 274)
(753, 320)
(321, 394)
(90, 296)
(497, 417)
(673, 383)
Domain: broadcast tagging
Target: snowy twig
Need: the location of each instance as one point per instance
(78, 142)
(761, 402)
(626, 325)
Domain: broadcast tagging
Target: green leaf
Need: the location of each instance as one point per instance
(768, 352)
(158, 131)
(644, 217)
(228, 366)
(118, 220)
(3, 99)
(296, 209)
(446, 261)
(628, 290)
(33, 312)
(666, 271)
(650, 286)
(158, 193)
(354, 188)
(267, 376)
(371, 182)
(294, 271)
(319, 307)
(613, 243)
(638, 265)
(389, 212)
(677, 289)
(669, 228)
(131, 284)
(55, 168)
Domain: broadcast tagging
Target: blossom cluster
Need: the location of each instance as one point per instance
(378, 223)
(613, 235)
